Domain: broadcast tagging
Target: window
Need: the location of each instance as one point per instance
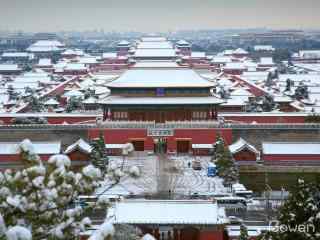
(199, 115)
(120, 115)
(160, 92)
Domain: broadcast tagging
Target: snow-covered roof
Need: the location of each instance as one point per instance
(153, 39)
(16, 54)
(163, 53)
(76, 52)
(291, 148)
(51, 101)
(263, 48)
(282, 98)
(9, 67)
(183, 43)
(241, 92)
(235, 65)
(123, 43)
(73, 93)
(48, 43)
(75, 67)
(221, 59)
(156, 64)
(255, 75)
(99, 90)
(119, 100)
(160, 78)
(107, 55)
(168, 212)
(46, 46)
(198, 54)
(81, 145)
(45, 62)
(309, 54)
(40, 147)
(240, 51)
(241, 144)
(202, 146)
(266, 61)
(155, 45)
(88, 60)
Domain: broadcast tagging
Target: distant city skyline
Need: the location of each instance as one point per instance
(157, 16)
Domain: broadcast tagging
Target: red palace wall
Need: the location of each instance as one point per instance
(56, 120)
(121, 136)
(289, 157)
(196, 136)
(78, 156)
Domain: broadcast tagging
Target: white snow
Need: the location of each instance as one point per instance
(27, 146)
(91, 172)
(18, 233)
(291, 148)
(134, 171)
(81, 145)
(38, 181)
(105, 230)
(3, 227)
(60, 160)
(148, 237)
(168, 212)
(14, 201)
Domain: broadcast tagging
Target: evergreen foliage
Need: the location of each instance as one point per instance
(98, 155)
(225, 163)
(299, 217)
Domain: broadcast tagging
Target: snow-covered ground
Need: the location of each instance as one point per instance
(190, 181)
(156, 176)
(145, 184)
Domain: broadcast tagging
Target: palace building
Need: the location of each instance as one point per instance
(160, 96)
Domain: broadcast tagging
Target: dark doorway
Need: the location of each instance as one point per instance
(183, 146)
(138, 145)
(190, 233)
(160, 145)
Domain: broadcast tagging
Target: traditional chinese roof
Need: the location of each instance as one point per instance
(153, 78)
(51, 101)
(119, 100)
(156, 52)
(81, 145)
(168, 212)
(241, 144)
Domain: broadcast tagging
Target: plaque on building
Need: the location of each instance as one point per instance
(156, 132)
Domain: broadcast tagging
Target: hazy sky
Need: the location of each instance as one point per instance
(159, 15)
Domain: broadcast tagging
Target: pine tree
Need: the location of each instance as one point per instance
(73, 104)
(300, 213)
(35, 104)
(98, 154)
(225, 163)
(36, 201)
(243, 233)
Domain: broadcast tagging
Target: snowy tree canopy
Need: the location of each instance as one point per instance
(38, 200)
(299, 217)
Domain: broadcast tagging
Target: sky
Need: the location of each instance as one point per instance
(156, 16)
